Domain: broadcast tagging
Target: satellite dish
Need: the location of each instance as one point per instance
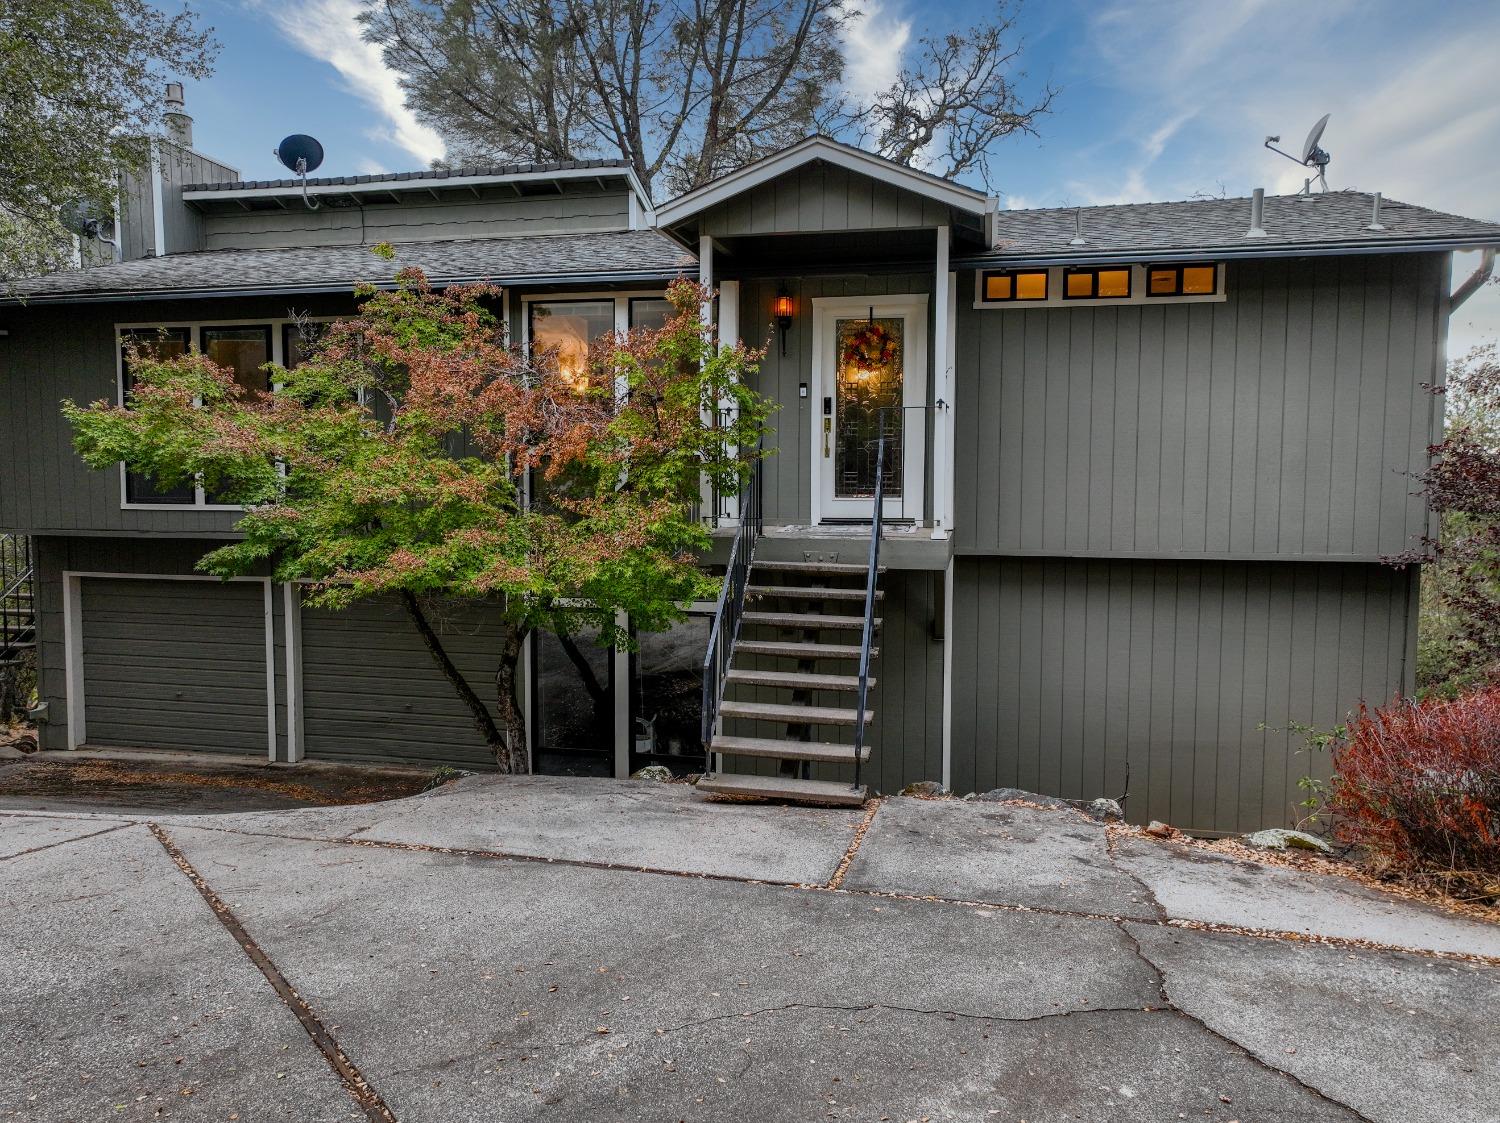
(302, 154)
(78, 218)
(1310, 149)
(1312, 156)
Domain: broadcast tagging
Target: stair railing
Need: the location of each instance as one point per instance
(731, 608)
(870, 580)
(17, 594)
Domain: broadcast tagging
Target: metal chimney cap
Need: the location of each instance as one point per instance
(174, 98)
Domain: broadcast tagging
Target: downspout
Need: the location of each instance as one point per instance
(1478, 277)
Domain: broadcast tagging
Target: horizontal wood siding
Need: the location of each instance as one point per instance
(372, 692)
(175, 664)
(1276, 424)
(1070, 675)
(579, 212)
(906, 736)
(788, 473)
(822, 197)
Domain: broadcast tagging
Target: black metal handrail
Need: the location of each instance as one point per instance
(17, 594)
(871, 578)
(731, 607)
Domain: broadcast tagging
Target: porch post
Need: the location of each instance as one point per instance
(705, 314)
(729, 334)
(942, 383)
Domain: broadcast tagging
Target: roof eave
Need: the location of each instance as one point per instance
(1223, 252)
(119, 295)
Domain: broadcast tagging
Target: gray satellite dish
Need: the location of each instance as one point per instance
(1312, 156)
(78, 218)
(301, 154)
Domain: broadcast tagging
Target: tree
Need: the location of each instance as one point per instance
(1461, 581)
(395, 460)
(81, 86)
(687, 90)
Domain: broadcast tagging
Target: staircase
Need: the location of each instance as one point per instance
(17, 598)
(803, 634)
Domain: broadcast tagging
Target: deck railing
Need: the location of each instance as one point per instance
(731, 608)
(871, 580)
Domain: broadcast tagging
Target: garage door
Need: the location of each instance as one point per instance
(370, 690)
(174, 664)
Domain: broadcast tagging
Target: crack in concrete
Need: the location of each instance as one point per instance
(65, 841)
(1111, 841)
(1346, 943)
(1170, 1004)
(852, 849)
(949, 1014)
(353, 1081)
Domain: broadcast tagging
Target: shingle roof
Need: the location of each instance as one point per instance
(431, 173)
(618, 255)
(1335, 222)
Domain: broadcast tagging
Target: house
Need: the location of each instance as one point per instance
(1142, 465)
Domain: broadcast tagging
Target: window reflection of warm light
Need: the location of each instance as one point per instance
(567, 328)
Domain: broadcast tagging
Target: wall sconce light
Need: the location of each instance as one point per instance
(783, 317)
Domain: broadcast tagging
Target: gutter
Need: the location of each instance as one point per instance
(345, 287)
(1223, 253)
(1476, 278)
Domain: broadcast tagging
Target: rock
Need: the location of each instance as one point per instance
(1016, 795)
(1277, 838)
(1157, 829)
(653, 772)
(925, 789)
(1103, 809)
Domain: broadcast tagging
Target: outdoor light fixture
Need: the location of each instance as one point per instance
(783, 317)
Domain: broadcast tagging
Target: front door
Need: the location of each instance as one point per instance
(871, 374)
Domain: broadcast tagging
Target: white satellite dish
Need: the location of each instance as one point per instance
(1312, 156)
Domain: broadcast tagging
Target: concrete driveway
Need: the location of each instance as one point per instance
(534, 949)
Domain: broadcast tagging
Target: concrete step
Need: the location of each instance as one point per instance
(792, 714)
(823, 752)
(781, 787)
(829, 569)
(806, 592)
(810, 621)
(794, 680)
(785, 649)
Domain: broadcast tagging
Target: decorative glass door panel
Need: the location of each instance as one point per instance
(870, 369)
(867, 401)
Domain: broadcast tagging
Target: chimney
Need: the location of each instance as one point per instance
(1375, 214)
(179, 124)
(1257, 214)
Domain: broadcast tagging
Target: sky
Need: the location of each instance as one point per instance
(1158, 99)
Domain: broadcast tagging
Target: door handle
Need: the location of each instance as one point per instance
(827, 428)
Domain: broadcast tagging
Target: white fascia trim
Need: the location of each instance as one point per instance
(819, 148)
(393, 184)
(158, 205)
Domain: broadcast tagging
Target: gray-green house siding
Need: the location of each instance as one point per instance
(1279, 423)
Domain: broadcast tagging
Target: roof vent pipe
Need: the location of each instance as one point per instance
(179, 124)
(1375, 214)
(1257, 214)
(1077, 239)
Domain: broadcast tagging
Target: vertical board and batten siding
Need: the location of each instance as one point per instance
(370, 690)
(580, 211)
(1187, 676)
(53, 353)
(174, 664)
(906, 736)
(1278, 423)
(819, 198)
(787, 474)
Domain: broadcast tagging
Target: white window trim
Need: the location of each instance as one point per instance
(277, 327)
(622, 306)
(1137, 297)
(73, 676)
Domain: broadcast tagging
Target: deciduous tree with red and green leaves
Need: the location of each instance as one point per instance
(417, 453)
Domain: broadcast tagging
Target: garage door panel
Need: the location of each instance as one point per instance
(370, 689)
(174, 664)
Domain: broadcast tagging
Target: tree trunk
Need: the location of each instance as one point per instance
(483, 723)
(518, 754)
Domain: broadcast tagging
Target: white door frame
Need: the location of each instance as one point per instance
(915, 368)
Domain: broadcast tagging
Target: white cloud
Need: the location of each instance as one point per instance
(873, 41)
(327, 30)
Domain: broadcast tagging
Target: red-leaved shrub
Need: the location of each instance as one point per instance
(1418, 785)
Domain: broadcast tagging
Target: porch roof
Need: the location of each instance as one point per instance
(1295, 226)
(625, 255)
